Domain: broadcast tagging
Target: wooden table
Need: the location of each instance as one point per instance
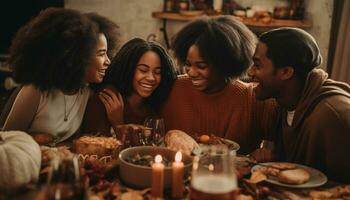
(255, 25)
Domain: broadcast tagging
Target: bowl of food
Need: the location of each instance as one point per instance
(135, 165)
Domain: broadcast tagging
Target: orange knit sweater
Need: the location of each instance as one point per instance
(232, 113)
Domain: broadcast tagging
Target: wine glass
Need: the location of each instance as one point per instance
(267, 144)
(64, 181)
(145, 136)
(265, 152)
(213, 174)
(156, 124)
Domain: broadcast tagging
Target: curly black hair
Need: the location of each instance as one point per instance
(227, 45)
(120, 73)
(110, 29)
(54, 50)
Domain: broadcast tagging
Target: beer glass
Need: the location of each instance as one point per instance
(64, 181)
(213, 174)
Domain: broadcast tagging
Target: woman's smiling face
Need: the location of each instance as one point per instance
(202, 76)
(147, 74)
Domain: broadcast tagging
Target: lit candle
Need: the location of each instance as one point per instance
(177, 176)
(157, 177)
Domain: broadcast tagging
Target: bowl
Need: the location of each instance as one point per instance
(140, 177)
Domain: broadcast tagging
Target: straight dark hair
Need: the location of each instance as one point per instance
(121, 72)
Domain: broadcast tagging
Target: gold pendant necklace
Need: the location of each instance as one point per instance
(66, 114)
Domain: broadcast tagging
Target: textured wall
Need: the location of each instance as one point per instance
(134, 16)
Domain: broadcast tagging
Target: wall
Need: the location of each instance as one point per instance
(134, 16)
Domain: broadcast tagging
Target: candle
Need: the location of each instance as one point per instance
(157, 177)
(177, 177)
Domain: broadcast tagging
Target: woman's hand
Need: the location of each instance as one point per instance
(114, 105)
(42, 138)
(128, 134)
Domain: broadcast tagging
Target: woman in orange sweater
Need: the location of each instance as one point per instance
(210, 99)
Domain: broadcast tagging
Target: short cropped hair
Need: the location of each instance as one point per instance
(121, 72)
(292, 47)
(224, 43)
(53, 50)
(111, 31)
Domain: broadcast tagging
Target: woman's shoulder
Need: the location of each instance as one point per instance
(31, 90)
(182, 80)
(112, 88)
(240, 87)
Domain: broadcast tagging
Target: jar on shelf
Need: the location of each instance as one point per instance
(183, 5)
(281, 11)
(169, 5)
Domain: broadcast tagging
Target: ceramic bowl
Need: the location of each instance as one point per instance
(138, 176)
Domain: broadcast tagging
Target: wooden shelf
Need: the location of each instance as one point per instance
(275, 23)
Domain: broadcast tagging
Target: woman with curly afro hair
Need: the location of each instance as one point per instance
(55, 57)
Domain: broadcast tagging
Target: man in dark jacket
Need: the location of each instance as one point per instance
(314, 125)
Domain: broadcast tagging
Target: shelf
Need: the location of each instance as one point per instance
(275, 23)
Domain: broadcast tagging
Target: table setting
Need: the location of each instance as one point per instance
(172, 165)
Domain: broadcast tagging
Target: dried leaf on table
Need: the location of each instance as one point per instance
(244, 197)
(294, 196)
(335, 192)
(132, 195)
(257, 177)
(95, 197)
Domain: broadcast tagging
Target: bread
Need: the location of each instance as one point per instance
(294, 176)
(179, 141)
(283, 165)
(99, 146)
(48, 153)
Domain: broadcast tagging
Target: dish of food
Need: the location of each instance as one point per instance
(146, 160)
(214, 140)
(138, 175)
(291, 175)
(99, 146)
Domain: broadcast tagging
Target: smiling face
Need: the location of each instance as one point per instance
(147, 74)
(264, 73)
(202, 76)
(99, 63)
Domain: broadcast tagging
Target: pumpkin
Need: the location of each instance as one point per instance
(20, 159)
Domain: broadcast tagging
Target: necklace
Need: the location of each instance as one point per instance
(67, 112)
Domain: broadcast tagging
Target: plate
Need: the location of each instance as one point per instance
(191, 13)
(231, 145)
(317, 178)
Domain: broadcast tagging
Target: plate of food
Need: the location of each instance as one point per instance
(215, 140)
(291, 175)
(178, 140)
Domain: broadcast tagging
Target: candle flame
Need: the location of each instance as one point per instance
(158, 158)
(211, 167)
(178, 157)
